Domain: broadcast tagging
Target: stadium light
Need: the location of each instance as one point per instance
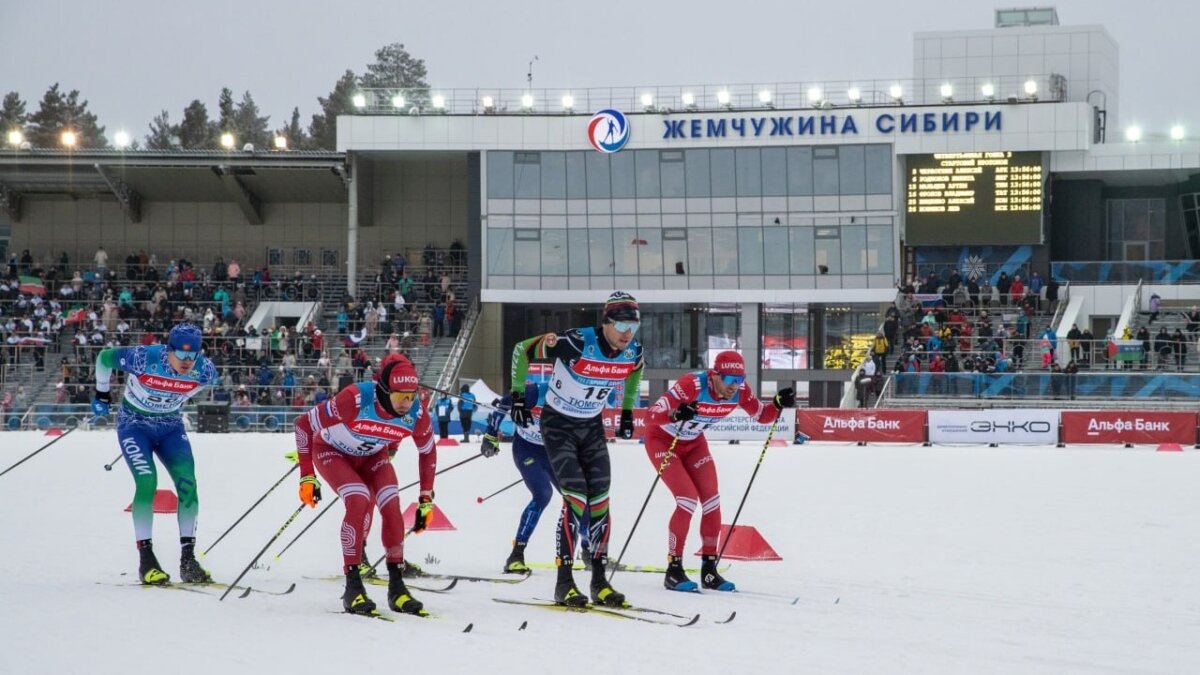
(1177, 132)
(527, 101)
(855, 95)
(69, 139)
(228, 141)
(398, 101)
(438, 101)
(947, 91)
(688, 99)
(281, 142)
(764, 97)
(1031, 87)
(568, 102)
(723, 97)
(359, 101)
(15, 137)
(489, 103)
(814, 97)
(988, 90)
(896, 93)
(121, 140)
(1133, 134)
(647, 100)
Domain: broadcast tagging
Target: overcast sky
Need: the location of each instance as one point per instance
(132, 58)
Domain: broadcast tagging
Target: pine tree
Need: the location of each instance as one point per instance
(58, 113)
(162, 134)
(323, 128)
(225, 111)
(294, 133)
(250, 127)
(196, 132)
(12, 113)
(395, 68)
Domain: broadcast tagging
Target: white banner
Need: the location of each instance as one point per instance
(1031, 426)
(742, 427)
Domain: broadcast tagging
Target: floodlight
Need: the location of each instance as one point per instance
(896, 93)
(68, 139)
(359, 101)
(1177, 132)
(947, 90)
(1031, 88)
(489, 103)
(988, 90)
(854, 94)
(527, 101)
(688, 99)
(1133, 134)
(281, 143)
(398, 101)
(647, 101)
(814, 96)
(121, 140)
(438, 101)
(227, 141)
(723, 97)
(15, 137)
(568, 102)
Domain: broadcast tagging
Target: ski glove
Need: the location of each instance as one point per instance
(423, 515)
(786, 398)
(490, 446)
(626, 429)
(684, 412)
(310, 491)
(101, 402)
(520, 414)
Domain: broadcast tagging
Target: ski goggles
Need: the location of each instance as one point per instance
(399, 397)
(183, 355)
(732, 380)
(627, 326)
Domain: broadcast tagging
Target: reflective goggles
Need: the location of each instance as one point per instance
(732, 380)
(627, 326)
(183, 355)
(403, 397)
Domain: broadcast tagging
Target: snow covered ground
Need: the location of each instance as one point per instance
(904, 560)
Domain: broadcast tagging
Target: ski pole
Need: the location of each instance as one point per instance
(745, 494)
(110, 465)
(416, 482)
(657, 477)
(278, 532)
(252, 507)
(30, 455)
(481, 500)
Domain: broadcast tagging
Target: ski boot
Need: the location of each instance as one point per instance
(516, 560)
(413, 571)
(676, 579)
(190, 570)
(149, 571)
(602, 592)
(710, 578)
(399, 599)
(364, 568)
(355, 600)
(565, 591)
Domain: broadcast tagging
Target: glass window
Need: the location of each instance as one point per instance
(671, 168)
(801, 250)
(500, 251)
(825, 171)
(724, 174)
(527, 251)
(854, 254)
(500, 175)
(600, 249)
(650, 245)
(799, 172)
(774, 172)
(749, 172)
(554, 253)
(851, 170)
(725, 251)
(828, 250)
(696, 163)
(623, 175)
(576, 176)
(675, 250)
(598, 181)
(577, 250)
(527, 175)
(750, 250)
(879, 169)
(646, 162)
(554, 175)
(625, 250)
(879, 249)
(775, 250)
(700, 259)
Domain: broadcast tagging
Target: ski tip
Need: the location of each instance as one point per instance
(468, 628)
(795, 600)
(523, 626)
(731, 617)
(693, 622)
(837, 600)
(289, 589)
(245, 593)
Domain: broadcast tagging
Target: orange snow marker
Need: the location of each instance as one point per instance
(165, 501)
(438, 522)
(1170, 447)
(746, 544)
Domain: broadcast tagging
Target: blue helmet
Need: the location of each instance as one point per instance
(185, 337)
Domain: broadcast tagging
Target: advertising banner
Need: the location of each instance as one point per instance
(1128, 426)
(872, 426)
(1029, 426)
(740, 426)
(612, 422)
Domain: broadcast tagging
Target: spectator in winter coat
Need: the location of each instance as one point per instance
(1003, 285)
(1017, 289)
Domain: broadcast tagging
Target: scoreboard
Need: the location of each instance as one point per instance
(957, 198)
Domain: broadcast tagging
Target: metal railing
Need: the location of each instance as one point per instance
(1034, 388)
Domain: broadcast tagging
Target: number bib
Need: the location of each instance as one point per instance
(154, 386)
(581, 389)
(709, 411)
(368, 432)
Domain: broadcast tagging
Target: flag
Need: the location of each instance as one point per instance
(77, 316)
(32, 285)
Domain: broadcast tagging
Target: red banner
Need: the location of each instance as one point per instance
(1128, 426)
(872, 426)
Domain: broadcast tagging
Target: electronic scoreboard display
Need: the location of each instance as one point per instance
(957, 198)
